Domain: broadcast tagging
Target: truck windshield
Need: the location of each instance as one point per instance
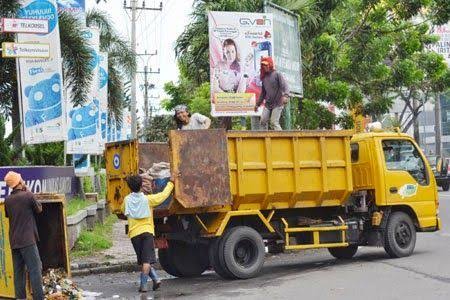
(401, 155)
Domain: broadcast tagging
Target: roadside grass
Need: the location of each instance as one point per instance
(90, 242)
(77, 204)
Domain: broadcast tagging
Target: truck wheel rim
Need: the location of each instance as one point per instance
(245, 253)
(403, 235)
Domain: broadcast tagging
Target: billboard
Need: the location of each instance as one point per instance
(443, 45)
(237, 41)
(286, 38)
(42, 179)
(83, 133)
(40, 79)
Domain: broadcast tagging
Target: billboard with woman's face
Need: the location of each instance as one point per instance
(237, 41)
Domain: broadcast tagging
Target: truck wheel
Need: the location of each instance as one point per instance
(188, 259)
(166, 263)
(446, 186)
(216, 263)
(400, 235)
(243, 252)
(343, 252)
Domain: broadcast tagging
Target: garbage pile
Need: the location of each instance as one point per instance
(58, 287)
(160, 170)
(155, 179)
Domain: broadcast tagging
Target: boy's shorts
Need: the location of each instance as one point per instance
(144, 246)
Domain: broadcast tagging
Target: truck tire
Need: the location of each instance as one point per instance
(166, 263)
(399, 235)
(243, 252)
(343, 252)
(216, 262)
(188, 259)
(446, 186)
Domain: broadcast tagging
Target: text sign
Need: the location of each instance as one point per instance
(24, 25)
(25, 50)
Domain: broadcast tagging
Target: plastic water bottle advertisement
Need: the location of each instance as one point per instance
(83, 122)
(237, 41)
(41, 97)
(103, 98)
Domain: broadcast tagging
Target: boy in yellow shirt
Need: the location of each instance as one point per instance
(138, 208)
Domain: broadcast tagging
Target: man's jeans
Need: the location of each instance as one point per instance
(29, 257)
(274, 116)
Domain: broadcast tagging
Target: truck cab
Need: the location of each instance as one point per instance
(391, 168)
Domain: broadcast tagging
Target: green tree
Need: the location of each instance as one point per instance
(49, 154)
(158, 130)
(352, 53)
(9, 155)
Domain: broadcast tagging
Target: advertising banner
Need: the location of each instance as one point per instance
(83, 133)
(40, 79)
(286, 38)
(237, 41)
(103, 97)
(74, 7)
(443, 45)
(111, 130)
(44, 179)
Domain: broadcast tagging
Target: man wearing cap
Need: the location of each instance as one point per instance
(21, 207)
(274, 91)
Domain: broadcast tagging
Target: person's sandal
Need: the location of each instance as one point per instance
(156, 285)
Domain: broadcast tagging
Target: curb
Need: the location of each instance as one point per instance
(83, 269)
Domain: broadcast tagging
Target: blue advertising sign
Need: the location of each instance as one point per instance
(41, 80)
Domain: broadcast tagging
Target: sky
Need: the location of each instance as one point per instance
(155, 31)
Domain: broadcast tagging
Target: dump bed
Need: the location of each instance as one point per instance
(243, 169)
(285, 169)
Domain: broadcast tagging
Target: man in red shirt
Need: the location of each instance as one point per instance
(21, 207)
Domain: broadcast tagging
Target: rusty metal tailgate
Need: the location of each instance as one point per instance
(121, 161)
(200, 157)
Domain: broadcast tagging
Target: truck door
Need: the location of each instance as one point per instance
(408, 180)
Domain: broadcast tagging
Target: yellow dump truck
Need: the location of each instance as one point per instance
(240, 193)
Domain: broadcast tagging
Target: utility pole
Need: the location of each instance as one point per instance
(133, 7)
(437, 125)
(147, 86)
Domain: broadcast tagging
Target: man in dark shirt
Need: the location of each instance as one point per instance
(21, 207)
(274, 91)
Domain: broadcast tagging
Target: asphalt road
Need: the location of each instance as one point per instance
(312, 275)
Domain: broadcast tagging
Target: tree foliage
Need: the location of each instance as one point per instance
(355, 53)
(9, 155)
